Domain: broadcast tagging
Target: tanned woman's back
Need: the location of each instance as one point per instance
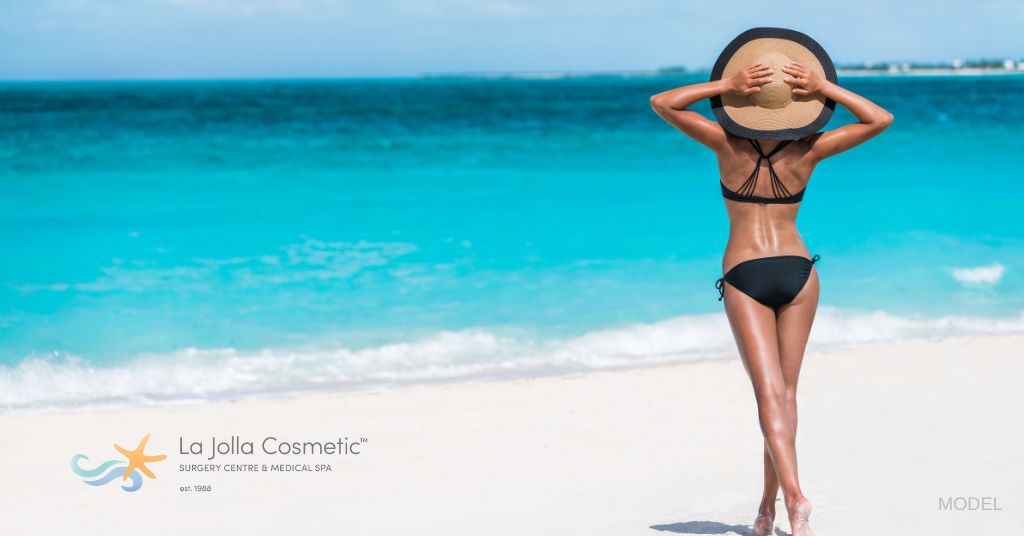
(768, 228)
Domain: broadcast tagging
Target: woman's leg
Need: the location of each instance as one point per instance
(754, 327)
(793, 327)
(771, 485)
(794, 322)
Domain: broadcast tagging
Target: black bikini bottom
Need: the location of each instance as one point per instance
(772, 281)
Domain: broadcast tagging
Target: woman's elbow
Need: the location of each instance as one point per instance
(657, 102)
(882, 122)
(886, 120)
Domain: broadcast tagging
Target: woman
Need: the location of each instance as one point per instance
(770, 287)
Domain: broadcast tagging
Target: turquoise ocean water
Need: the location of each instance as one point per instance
(193, 240)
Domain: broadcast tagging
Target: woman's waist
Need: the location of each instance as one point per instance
(741, 249)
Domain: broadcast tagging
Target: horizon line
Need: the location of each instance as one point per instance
(666, 71)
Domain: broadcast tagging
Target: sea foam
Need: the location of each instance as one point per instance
(194, 374)
(980, 275)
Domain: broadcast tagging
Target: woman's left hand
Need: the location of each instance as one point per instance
(803, 80)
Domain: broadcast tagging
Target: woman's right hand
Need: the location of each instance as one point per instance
(750, 80)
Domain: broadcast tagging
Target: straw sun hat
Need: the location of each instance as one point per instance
(774, 113)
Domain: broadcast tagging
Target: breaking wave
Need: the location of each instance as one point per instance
(196, 374)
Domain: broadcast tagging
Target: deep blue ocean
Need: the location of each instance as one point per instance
(191, 240)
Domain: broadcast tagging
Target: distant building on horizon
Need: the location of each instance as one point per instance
(971, 65)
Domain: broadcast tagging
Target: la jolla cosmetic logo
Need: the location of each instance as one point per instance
(113, 469)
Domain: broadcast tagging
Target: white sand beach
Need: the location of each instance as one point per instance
(885, 432)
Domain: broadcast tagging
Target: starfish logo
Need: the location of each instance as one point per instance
(112, 469)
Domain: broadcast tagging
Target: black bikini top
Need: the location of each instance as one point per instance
(745, 193)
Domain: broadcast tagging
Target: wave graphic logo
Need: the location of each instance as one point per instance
(113, 469)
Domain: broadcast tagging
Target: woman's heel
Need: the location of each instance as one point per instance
(801, 519)
(763, 526)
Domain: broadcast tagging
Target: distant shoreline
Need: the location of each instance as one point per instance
(556, 75)
(965, 71)
(518, 75)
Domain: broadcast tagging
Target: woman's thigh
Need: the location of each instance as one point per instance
(794, 322)
(754, 327)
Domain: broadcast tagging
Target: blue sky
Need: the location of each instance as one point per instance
(75, 39)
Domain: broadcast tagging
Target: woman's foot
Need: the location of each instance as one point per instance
(763, 525)
(798, 518)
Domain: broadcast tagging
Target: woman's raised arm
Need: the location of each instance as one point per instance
(873, 118)
(672, 105)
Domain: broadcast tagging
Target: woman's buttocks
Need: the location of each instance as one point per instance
(761, 230)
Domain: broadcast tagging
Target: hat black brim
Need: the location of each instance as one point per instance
(783, 134)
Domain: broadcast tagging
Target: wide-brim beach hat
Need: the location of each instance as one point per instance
(774, 113)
